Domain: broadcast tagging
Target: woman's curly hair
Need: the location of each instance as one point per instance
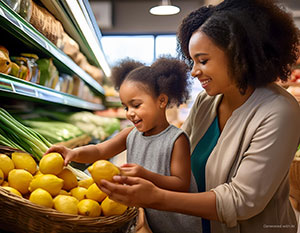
(258, 36)
(165, 76)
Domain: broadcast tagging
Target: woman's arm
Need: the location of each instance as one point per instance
(179, 180)
(91, 153)
(143, 193)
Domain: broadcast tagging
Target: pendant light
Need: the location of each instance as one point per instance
(165, 8)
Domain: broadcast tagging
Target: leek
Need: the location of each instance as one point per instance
(29, 140)
(16, 135)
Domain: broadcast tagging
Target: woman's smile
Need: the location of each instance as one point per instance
(205, 82)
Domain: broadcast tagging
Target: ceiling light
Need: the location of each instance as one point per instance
(165, 8)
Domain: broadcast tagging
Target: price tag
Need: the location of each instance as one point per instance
(50, 96)
(34, 36)
(10, 18)
(5, 85)
(24, 89)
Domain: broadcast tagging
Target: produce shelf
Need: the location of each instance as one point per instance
(24, 31)
(79, 22)
(11, 86)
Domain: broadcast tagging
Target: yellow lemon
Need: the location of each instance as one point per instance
(110, 207)
(38, 173)
(52, 163)
(41, 197)
(20, 180)
(49, 182)
(103, 169)
(13, 190)
(64, 192)
(66, 204)
(89, 208)
(1, 176)
(4, 184)
(6, 164)
(78, 192)
(86, 183)
(24, 161)
(70, 180)
(94, 193)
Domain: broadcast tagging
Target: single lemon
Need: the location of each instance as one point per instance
(25, 161)
(103, 169)
(1, 176)
(49, 182)
(66, 204)
(6, 164)
(94, 193)
(86, 183)
(110, 207)
(41, 197)
(20, 180)
(5, 183)
(89, 208)
(64, 192)
(52, 163)
(70, 180)
(78, 192)
(12, 190)
(38, 173)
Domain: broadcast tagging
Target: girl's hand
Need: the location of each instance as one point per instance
(67, 154)
(130, 191)
(132, 169)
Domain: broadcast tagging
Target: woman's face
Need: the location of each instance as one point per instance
(210, 65)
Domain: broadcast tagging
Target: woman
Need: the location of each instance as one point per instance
(244, 129)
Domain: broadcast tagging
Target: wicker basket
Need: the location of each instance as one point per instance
(20, 215)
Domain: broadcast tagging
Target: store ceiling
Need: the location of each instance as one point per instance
(293, 4)
(133, 17)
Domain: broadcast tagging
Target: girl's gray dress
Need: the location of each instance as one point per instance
(154, 153)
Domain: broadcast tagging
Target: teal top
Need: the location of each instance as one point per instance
(202, 152)
(199, 159)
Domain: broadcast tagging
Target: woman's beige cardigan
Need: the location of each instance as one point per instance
(248, 168)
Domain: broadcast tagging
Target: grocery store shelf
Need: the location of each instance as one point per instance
(20, 28)
(78, 21)
(112, 101)
(23, 89)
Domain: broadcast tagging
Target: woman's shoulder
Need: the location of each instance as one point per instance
(275, 100)
(277, 97)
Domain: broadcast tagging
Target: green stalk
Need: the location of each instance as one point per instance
(25, 134)
(5, 141)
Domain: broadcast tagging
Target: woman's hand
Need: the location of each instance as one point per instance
(132, 169)
(131, 191)
(67, 154)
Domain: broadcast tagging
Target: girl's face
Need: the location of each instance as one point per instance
(210, 65)
(142, 109)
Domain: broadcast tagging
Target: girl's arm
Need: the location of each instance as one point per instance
(179, 180)
(142, 193)
(91, 153)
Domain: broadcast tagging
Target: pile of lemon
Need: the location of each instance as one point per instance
(54, 186)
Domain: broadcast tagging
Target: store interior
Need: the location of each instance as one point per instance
(56, 61)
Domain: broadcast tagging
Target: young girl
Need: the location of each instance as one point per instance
(156, 150)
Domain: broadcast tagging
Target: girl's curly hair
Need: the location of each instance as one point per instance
(258, 36)
(165, 76)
